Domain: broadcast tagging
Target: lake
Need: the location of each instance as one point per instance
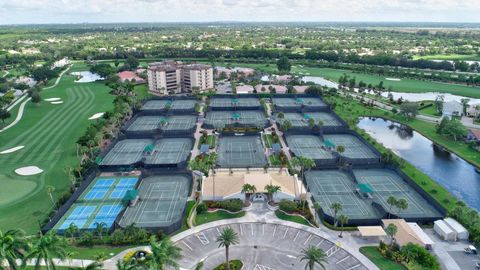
(452, 172)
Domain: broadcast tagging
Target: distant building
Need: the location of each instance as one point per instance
(130, 76)
(173, 77)
(452, 108)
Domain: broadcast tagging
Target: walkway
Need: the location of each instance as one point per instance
(19, 115)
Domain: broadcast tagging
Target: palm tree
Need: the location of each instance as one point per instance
(401, 204)
(50, 190)
(46, 248)
(71, 231)
(246, 189)
(272, 190)
(123, 265)
(391, 201)
(12, 248)
(227, 238)
(336, 207)
(317, 207)
(313, 255)
(286, 125)
(100, 228)
(92, 266)
(343, 220)
(391, 230)
(164, 253)
(305, 164)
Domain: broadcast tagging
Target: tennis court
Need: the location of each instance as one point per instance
(221, 119)
(354, 147)
(238, 102)
(299, 120)
(241, 151)
(166, 123)
(331, 186)
(170, 151)
(175, 105)
(386, 183)
(162, 202)
(100, 202)
(299, 102)
(309, 146)
(126, 152)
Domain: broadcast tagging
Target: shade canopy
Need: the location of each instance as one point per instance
(365, 188)
(329, 144)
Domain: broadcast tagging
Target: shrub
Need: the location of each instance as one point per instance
(201, 208)
(233, 205)
(287, 206)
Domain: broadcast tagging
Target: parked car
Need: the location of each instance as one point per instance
(471, 250)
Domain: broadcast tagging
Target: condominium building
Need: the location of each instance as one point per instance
(174, 77)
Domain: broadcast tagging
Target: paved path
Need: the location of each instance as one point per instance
(19, 115)
(6, 73)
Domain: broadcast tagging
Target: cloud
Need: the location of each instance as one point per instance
(64, 11)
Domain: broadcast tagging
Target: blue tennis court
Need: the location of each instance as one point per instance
(127, 182)
(107, 214)
(79, 216)
(96, 194)
(104, 183)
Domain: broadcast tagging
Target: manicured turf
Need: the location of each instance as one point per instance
(49, 133)
(382, 263)
(267, 138)
(469, 57)
(219, 215)
(89, 253)
(431, 111)
(295, 219)
(405, 85)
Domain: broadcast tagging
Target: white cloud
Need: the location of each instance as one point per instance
(64, 11)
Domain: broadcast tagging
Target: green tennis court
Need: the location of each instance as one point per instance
(386, 183)
(309, 146)
(291, 102)
(169, 151)
(302, 120)
(331, 186)
(161, 104)
(162, 202)
(167, 123)
(227, 102)
(354, 147)
(221, 119)
(241, 151)
(126, 152)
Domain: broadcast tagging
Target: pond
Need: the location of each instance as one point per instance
(87, 76)
(320, 81)
(429, 96)
(452, 172)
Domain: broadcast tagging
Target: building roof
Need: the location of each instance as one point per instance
(197, 67)
(300, 88)
(457, 227)
(408, 232)
(244, 89)
(129, 76)
(280, 89)
(475, 132)
(369, 231)
(227, 184)
(452, 106)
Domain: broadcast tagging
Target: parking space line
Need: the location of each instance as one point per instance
(308, 239)
(295, 238)
(342, 260)
(353, 267)
(274, 231)
(285, 235)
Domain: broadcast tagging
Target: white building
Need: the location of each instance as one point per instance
(452, 108)
(172, 77)
(444, 231)
(460, 231)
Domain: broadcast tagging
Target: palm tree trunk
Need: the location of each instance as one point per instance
(226, 256)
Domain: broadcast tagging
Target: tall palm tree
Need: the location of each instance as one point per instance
(248, 189)
(71, 231)
(50, 190)
(391, 201)
(305, 164)
(401, 204)
(12, 248)
(336, 207)
(227, 238)
(164, 253)
(343, 220)
(100, 228)
(391, 231)
(314, 256)
(46, 248)
(272, 190)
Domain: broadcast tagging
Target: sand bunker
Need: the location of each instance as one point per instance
(11, 150)
(29, 170)
(393, 79)
(56, 102)
(52, 99)
(96, 116)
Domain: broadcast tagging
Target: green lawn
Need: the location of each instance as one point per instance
(268, 139)
(295, 219)
(142, 91)
(210, 141)
(274, 160)
(89, 253)
(453, 57)
(405, 85)
(431, 111)
(382, 263)
(219, 215)
(49, 133)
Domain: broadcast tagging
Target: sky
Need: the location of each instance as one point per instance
(99, 11)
